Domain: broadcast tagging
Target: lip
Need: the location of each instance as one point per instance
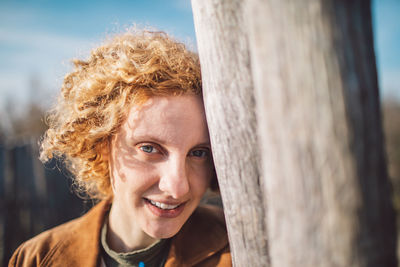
(172, 213)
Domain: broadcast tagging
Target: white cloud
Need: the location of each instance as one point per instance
(182, 5)
(36, 53)
(390, 82)
(42, 40)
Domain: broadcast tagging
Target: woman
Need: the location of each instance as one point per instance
(130, 126)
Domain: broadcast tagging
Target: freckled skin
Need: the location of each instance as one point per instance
(160, 153)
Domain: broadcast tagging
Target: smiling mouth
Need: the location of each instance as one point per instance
(163, 206)
(163, 210)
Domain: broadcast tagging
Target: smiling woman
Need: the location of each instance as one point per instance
(161, 167)
(130, 126)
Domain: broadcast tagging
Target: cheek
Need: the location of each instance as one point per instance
(136, 180)
(127, 168)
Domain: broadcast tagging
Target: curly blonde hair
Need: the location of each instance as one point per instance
(97, 95)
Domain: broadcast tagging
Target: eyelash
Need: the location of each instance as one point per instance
(205, 153)
(143, 148)
(154, 150)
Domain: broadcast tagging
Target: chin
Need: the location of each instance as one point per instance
(164, 231)
(163, 235)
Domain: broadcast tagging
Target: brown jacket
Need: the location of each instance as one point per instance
(202, 241)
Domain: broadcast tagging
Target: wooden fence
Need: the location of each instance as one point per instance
(33, 198)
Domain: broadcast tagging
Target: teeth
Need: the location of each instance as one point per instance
(163, 205)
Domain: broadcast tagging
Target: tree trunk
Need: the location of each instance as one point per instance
(231, 117)
(319, 128)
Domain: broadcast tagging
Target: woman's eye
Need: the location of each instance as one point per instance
(148, 149)
(199, 153)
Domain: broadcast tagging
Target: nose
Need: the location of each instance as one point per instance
(174, 179)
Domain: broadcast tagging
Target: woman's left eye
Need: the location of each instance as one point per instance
(199, 153)
(148, 149)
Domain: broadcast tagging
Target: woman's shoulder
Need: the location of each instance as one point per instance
(45, 248)
(37, 248)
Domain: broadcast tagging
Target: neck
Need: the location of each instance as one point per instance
(124, 237)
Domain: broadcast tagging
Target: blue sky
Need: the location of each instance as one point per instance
(386, 23)
(39, 38)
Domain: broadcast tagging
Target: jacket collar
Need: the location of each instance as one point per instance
(81, 246)
(203, 235)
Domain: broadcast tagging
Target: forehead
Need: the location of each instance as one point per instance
(172, 119)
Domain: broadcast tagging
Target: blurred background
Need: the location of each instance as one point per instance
(39, 38)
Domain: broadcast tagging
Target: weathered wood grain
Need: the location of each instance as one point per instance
(319, 122)
(323, 197)
(229, 103)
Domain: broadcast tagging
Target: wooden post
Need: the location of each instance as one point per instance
(229, 101)
(324, 190)
(320, 127)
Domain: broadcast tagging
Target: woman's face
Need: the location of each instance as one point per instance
(160, 166)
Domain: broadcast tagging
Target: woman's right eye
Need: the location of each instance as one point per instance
(149, 149)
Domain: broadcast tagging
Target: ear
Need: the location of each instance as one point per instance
(104, 150)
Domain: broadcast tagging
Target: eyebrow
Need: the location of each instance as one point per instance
(208, 144)
(157, 140)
